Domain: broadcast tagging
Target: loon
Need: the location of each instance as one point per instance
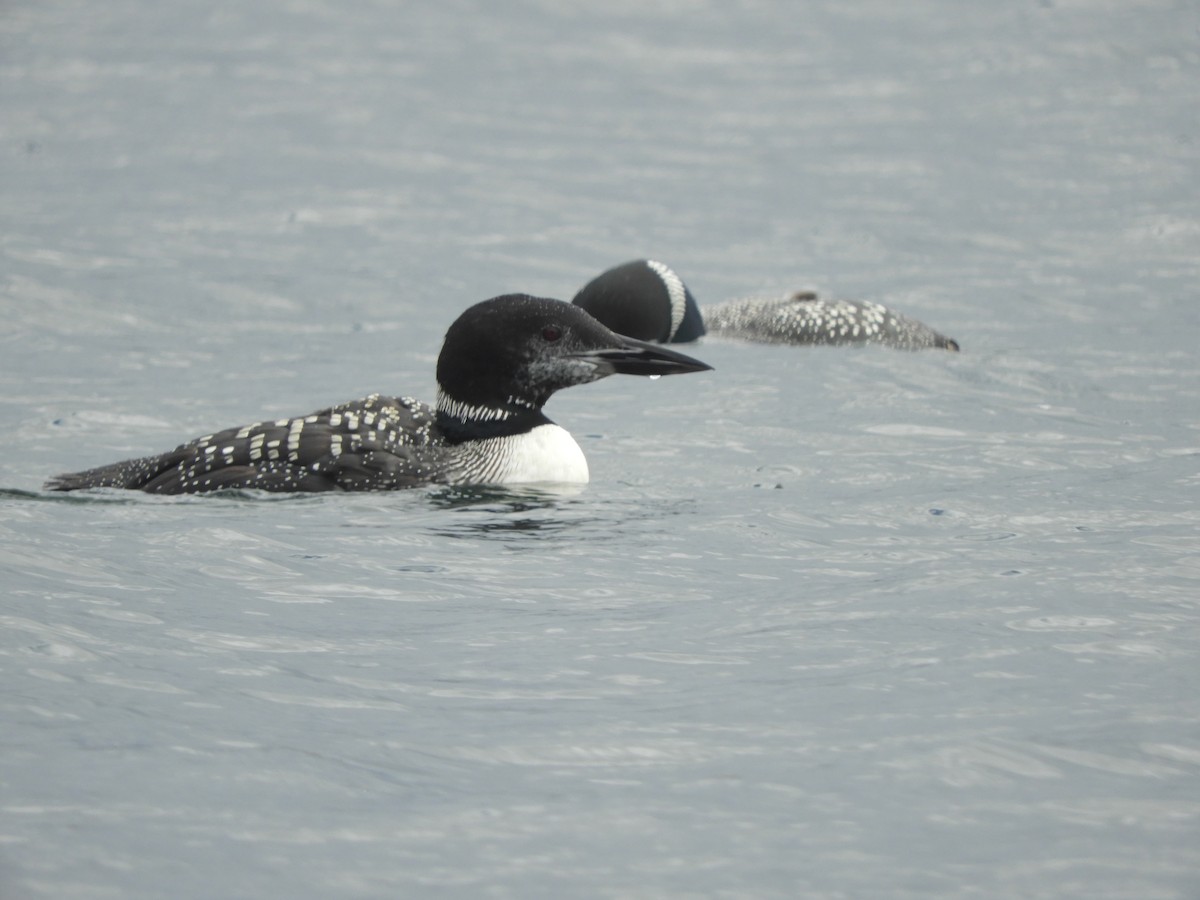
(647, 300)
(500, 362)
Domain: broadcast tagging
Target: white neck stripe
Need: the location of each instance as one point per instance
(675, 290)
(464, 412)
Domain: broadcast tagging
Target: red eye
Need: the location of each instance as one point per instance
(551, 333)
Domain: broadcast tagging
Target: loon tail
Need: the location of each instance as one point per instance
(131, 474)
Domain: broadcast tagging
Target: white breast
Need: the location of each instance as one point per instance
(547, 454)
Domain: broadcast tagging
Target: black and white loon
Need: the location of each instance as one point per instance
(647, 300)
(499, 364)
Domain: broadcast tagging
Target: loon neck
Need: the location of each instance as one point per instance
(676, 295)
(460, 422)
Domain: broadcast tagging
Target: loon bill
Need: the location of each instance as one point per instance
(645, 299)
(501, 361)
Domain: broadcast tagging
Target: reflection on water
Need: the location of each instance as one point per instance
(570, 513)
(505, 513)
(516, 498)
(513, 498)
(103, 495)
(495, 511)
(93, 496)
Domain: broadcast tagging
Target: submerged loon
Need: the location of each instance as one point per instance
(647, 300)
(499, 364)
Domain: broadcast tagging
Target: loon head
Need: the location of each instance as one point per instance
(643, 299)
(503, 358)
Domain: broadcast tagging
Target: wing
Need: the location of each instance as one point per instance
(377, 443)
(805, 318)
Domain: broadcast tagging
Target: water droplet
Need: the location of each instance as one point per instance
(655, 377)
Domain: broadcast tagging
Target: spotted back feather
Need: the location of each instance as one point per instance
(376, 443)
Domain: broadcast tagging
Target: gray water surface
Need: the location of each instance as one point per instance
(827, 623)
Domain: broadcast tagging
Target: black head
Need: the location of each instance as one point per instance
(507, 355)
(643, 299)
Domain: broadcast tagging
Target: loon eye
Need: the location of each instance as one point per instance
(551, 333)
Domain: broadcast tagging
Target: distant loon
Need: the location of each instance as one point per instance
(647, 300)
(500, 362)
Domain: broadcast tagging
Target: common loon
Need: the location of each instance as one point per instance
(647, 300)
(499, 364)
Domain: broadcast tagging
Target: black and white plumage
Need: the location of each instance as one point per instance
(645, 299)
(501, 361)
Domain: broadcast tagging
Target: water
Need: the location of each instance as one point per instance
(827, 623)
